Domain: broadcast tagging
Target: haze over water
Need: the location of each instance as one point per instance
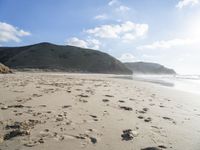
(187, 83)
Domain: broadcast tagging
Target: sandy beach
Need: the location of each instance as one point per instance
(91, 111)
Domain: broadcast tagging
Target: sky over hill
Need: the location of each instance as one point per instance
(166, 32)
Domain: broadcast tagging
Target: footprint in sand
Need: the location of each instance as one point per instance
(170, 119)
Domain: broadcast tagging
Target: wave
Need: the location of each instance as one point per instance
(187, 83)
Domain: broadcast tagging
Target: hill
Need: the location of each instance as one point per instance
(148, 68)
(4, 69)
(49, 56)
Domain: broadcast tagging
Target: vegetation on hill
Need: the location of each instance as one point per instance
(148, 68)
(48, 56)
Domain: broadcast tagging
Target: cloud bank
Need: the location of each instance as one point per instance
(126, 31)
(185, 3)
(89, 43)
(10, 33)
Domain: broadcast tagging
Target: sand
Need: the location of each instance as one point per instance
(84, 111)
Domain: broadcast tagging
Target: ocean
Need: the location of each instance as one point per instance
(187, 83)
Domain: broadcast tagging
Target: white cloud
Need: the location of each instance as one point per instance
(101, 17)
(127, 57)
(167, 44)
(184, 3)
(11, 33)
(76, 42)
(122, 8)
(128, 37)
(89, 43)
(112, 2)
(93, 43)
(125, 31)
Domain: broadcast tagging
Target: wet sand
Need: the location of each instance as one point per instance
(84, 111)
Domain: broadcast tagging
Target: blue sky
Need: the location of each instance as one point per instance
(162, 31)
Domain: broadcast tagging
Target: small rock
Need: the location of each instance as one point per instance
(109, 95)
(93, 116)
(147, 119)
(46, 130)
(41, 140)
(16, 125)
(140, 117)
(162, 146)
(145, 109)
(126, 108)
(167, 118)
(105, 100)
(121, 101)
(82, 95)
(66, 106)
(15, 133)
(127, 135)
(151, 148)
(93, 140)
(4, 107)
(15, 106)
(59, 119)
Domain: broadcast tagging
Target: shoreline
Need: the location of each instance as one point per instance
(92, 111)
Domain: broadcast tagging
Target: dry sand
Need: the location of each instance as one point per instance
(77, 111)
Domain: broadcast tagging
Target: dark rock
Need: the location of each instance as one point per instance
(66, 106)
(59, 119)
(46, 130)
(105, 100)
(4, 107)
(93, 140)
(15, 106)
(82, 95)
(41, 140)
(145, 109)
(151, 148)
(32, 123)
(80, 137)
(140, 117)
(147, 119)
(15, 133)
(142, 112)
(126, 108)
(127, 135)
(93, 116)
(109, 95)
(167, 118)
(16, 125)
(162, 146)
